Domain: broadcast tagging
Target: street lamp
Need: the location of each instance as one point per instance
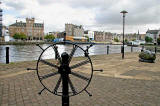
(123, 12)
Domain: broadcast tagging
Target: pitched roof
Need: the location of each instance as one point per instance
(21, 24)
(38, 25)
(153, 31)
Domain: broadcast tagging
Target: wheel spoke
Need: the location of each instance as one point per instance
(57, 85)
(48, 75)
(72, 53)
(72, 87)
(80, 76)
(80, 64)
(48, 63)
(57, 53)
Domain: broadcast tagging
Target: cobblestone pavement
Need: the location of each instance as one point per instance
(123, 83)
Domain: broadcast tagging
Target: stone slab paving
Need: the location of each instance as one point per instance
(121, 84)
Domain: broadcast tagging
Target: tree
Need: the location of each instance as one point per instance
(158, 41)
(148, 39)
(116, 40)
(16, 36)
(87, 38)
(21, 36)
(126, 41)
(49, 37)
(133, 39)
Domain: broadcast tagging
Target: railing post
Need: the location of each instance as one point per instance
(7, 55)
(155, 49)
(131, 48)
(121, 49)
(142, 49)
(65, 70)
(107, 49)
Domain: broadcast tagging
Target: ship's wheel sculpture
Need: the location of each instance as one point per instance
(65, 76)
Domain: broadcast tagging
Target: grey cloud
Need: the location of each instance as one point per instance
(47, 2)
(140, 12)
(16, 5)
(80, 3)
(108, 11)
(42, 2)
(90, 3)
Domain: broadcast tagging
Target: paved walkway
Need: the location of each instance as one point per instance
(123, 83)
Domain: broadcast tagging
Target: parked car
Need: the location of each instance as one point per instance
(136, 42)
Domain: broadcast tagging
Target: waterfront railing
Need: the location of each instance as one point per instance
(108, 49)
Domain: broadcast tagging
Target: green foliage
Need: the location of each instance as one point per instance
(16, 36)
(147, 56)
(116, 40)
(87, 38)
(126, 40)
(21, 36)
(49, 37)
(158, 41)
(133, 39)
(148, 39)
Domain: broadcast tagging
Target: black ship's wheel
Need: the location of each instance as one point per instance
(65, 76)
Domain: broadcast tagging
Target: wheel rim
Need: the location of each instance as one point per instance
(73, 74)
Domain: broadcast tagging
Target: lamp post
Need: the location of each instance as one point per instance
(123, 12)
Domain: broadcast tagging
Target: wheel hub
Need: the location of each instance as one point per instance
(64, 67)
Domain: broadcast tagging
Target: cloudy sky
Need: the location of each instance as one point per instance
(101, 15)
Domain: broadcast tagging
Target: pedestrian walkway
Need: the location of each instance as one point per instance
(125, 82)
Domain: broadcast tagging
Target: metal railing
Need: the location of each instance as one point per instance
(108, 49)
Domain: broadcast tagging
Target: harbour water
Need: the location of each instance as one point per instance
(32, 52)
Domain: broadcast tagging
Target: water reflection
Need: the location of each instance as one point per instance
(32, 52)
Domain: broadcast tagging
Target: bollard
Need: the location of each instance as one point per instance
(7, 55)
(142, 48)
(64, 34)
(131, 48)
(107, 49)
(121, 49)
(155, 49)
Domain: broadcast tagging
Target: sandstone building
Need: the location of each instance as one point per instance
(74, 30)
(34, 31)
(102, 36)
(74, 33)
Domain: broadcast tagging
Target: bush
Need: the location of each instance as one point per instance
(49, 37)
(87, 38)
(158, 41)
(16, 36)
(21, 36)
(148, 39)
(116, 40)
(147, 55)
(133, 39)
(126, 41)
